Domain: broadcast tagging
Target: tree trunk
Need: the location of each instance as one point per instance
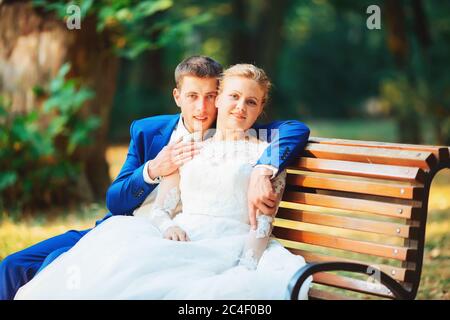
(267, 19)
(421, 26)
(435, 110)
(408, 126)
(96, 65)
(247, 43)
(242, 41)
(33, 46)
(396, 37)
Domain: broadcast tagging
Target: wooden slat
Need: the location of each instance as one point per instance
(369, 206)
(348, 283)
(316, 294)
(379, 227)
(366, 186)
(400, 274)
(425, 159)
(441, 152)
(358, 169)
(365, 247)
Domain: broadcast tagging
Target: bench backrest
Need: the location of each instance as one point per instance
(360, 201)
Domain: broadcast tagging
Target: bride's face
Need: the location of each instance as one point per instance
(239, 104)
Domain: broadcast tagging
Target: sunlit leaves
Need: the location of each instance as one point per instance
(135, 26)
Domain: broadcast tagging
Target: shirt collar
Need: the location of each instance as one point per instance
(181, 129)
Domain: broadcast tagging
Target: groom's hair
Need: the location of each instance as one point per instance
(197, 66)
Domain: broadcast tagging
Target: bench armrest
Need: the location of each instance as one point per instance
(308, 270)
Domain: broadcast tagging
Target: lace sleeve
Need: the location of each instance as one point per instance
(166, 202)
(258, 239)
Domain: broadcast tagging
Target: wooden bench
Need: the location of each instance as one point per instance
(359, 207)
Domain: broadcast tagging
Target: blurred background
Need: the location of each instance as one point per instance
(68, 95)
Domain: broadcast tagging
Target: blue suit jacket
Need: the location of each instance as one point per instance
(150, 135)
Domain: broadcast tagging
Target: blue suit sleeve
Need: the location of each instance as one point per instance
(129, 189)
(287, 139)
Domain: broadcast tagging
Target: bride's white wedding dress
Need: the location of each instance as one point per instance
(126, 257)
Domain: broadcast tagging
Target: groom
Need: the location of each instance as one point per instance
(156, 150)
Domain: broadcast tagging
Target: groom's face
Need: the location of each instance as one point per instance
(196, 98)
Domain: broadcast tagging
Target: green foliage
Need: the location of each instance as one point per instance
(67, 99)
(401, 96)
(60, 7)
(37, 148)
(133, 26)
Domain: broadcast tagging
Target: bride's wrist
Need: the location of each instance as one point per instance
(166, 225)
(262, 171)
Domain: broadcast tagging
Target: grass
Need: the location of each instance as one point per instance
(367, 129)
(18, 233)
(376, 130)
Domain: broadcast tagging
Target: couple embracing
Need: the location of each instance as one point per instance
(191, 210)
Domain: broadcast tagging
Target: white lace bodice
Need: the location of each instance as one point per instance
(214, 192)
(215, 182)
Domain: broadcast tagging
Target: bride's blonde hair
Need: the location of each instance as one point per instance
(248, 71)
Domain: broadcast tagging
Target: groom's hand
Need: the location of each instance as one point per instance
(261, 195)
(171, 157)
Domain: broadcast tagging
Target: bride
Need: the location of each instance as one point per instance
(208, 251)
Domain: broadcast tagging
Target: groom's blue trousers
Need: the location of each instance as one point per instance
(20, 267)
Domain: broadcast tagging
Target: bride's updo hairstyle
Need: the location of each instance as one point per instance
(248, 71)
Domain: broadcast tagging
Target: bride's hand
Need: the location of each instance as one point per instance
(176, 233)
